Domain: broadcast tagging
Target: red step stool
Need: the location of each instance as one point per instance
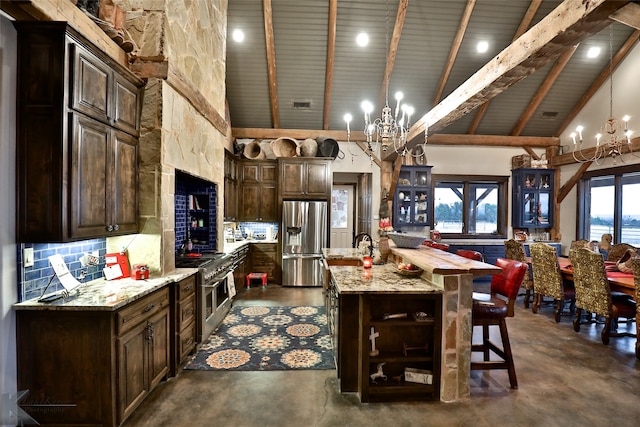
(261, 276)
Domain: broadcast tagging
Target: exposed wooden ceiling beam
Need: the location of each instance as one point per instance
(492, 140)
(453, 53)
(522, 28)
(271, 62)
(437, 139)
(331, 49)
(543, 90)
(393, 50)
(570, 23)
(628, 15)
(599, 81)
(566, 188)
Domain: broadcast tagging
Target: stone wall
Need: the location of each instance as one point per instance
(190, 36)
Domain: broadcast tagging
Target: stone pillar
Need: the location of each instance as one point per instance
(457, 332)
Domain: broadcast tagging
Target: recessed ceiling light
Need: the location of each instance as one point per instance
(362, 39)
(238, 35)
(482, 46)
(593, 52)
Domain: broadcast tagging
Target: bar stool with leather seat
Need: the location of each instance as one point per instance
(593, 294)
(515, 250)
(441, 246)
(493, 310)
(468, 253)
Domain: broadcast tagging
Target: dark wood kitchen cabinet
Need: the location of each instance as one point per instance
(183, 332)
(100, 364)
(259, 191)
(305, 178)
(264, 260)
(142, 350)
(78, 179)
(230, 187)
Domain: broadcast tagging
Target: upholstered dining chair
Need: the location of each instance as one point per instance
(635, 265)
(578, 244)
(515, 250)
(548, 279)
(492, 310)
(618, 250)
(593, 293)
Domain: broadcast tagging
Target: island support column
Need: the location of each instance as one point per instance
(457, 331)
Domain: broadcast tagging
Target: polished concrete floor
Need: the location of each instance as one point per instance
(565, 379)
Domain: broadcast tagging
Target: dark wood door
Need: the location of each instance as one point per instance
(90, 189)
(269, 205)
(250, 202)
(125, 184)
(230, 199)
(318, 180)
(133, 383)
(292, 182)
(158, 340)
(126, 106)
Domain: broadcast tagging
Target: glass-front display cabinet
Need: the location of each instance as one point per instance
(412, 199)
(532, 198)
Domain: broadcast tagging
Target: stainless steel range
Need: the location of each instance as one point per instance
(213, 299)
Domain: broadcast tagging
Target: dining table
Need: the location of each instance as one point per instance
(618, 281)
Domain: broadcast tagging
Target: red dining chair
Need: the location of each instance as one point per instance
(468, 253)
(493, 310)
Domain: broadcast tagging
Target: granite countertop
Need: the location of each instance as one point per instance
(342, 253)
(380, 279)
(103, 295)
(230, 247)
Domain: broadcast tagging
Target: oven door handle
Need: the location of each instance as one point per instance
(216, 281)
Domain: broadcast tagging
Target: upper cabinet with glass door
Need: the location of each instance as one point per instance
(532, 198)
(412, 198)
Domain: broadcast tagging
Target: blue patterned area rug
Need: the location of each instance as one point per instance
(268, 339)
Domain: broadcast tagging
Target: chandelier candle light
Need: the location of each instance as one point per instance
(391, 128)
(613, 145)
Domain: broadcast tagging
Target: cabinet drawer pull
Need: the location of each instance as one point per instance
(116, 227)
(188, 287)
(149, 308)
(190, 312)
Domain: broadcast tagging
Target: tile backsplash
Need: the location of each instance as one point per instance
(195, 211)
(33, 280)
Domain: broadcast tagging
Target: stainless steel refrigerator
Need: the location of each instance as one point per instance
(304, 234)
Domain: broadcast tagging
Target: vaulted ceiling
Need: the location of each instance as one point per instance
(299, 70)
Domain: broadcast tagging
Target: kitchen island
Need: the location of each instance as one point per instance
(438, 345)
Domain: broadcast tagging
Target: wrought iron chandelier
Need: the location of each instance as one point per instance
(391, 128)
(613, 144)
